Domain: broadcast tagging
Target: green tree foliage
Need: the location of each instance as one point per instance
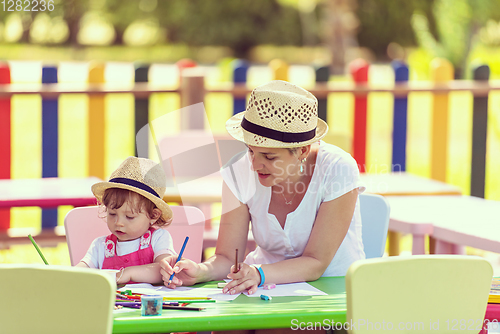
(457, 25)
(238, 24)
(73, 11)
(386, 21)
(124, 12)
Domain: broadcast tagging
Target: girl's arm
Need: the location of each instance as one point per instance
(146, 273)
(233, 234)
(329, 230)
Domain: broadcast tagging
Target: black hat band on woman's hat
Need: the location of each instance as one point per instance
(278, 114)
(286, 137)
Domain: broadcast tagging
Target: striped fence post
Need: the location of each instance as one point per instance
(479, 136)
(141, 117)
(181, 66)
(359, 71)
(96, 125)
(322, 76)
(399, 128)
(240, 69)
(279, 69)
(398, 142)
(185, 63)
(441, 72)
(50, 126)
(5, 143)
(192, 92)
(225, 67)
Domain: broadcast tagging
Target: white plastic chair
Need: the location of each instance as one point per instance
(375, 214)
(84, 224)
(419, 293)
(55, 299)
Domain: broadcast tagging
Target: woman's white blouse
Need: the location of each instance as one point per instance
(335, 174)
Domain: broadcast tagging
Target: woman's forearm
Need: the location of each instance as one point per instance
(298, 269)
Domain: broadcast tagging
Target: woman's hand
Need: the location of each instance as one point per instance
(186, 272)
(246, 279)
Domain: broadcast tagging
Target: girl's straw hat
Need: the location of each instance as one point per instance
(142, 176)
(279, 114)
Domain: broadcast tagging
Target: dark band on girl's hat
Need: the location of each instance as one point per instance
(136, 184)
(285, 137)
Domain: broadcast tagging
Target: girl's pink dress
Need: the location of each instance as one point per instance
(144, 255)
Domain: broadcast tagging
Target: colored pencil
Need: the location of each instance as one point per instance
(37, 249)
(129, 297)
(120, 303)
(170, 307)
(185, 298)
(178, 258)
(180, 301)
(132, 302)
(187, 308)
(129, 305)
(236, 268)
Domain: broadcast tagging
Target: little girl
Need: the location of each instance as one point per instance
(135, 211)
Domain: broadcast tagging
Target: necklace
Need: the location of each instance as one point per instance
(288, 202)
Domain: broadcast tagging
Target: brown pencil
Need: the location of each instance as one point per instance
(236, 268)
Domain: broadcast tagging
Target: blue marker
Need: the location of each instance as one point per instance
(178, 258)
(264, 297)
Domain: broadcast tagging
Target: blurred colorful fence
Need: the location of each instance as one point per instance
(86, 123)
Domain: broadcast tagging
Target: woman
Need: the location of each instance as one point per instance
(299, 193)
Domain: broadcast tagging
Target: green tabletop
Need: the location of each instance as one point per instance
(245, 312)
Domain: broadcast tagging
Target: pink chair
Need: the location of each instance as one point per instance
(83, 225)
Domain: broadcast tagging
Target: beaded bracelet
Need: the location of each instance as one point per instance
(122, 269)
(262, 276)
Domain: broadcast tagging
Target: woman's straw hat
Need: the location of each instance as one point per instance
(142, 176)
(279, 114)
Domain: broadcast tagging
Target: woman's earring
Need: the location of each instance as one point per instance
(302, 165)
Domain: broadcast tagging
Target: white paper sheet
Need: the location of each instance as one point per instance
(281, 290)
(291, 289)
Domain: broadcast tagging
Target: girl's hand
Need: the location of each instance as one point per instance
(186, 272)
(246, 279)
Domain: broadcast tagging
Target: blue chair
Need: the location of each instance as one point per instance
(375, 212)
